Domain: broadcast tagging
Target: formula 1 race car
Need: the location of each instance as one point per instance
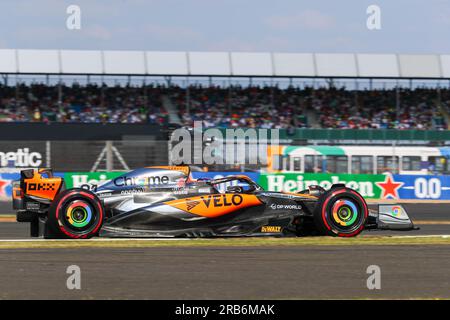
(166, 202)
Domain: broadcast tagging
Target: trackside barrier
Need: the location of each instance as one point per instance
(378, 186)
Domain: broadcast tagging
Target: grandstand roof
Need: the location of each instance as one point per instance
(225, 64)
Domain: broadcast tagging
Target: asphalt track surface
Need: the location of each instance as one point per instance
(304, 272)
(218, 272)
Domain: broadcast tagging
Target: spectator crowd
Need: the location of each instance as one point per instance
(91, 103)
(251, 107)
(377, 109)
(233, 106)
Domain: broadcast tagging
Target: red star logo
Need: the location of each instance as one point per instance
(3, 184)
(389, 187)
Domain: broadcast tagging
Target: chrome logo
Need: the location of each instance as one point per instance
(79, 214)
(344, 212)
(396, 211)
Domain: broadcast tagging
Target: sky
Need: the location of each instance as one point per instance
(407, 26)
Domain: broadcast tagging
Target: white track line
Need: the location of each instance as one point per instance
(443, 236)
(96, 240)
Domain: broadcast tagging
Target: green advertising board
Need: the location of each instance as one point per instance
(294, 182)
(77, 179)
(366, 184)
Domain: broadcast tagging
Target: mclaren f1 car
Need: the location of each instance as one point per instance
(167, 202)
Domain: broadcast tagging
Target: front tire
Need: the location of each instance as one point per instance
(75, 214)
(341, 212)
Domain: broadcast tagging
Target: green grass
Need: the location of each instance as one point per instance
(229, 242)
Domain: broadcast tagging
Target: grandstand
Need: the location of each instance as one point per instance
(313, 98)
(286, 101)
(254, 106)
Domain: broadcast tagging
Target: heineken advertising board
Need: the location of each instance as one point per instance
(423, 187)
(292, 182)
(77, 179)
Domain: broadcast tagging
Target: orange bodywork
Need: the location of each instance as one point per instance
(215, 205)
(45, 188)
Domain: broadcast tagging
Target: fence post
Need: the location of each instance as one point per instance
(48, 156)
(109, 156)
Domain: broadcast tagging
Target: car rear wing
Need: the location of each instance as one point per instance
(38, 185)
(33, 194)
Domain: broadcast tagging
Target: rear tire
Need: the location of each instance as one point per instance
(74, 214)
(341, 212)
